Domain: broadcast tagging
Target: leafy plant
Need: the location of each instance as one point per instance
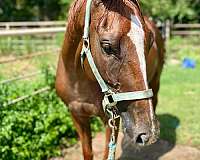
(175, 10)
(38, 127)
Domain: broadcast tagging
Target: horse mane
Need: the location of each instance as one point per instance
(116, 5)
(77, 4)
(75, 8)
(137, 4)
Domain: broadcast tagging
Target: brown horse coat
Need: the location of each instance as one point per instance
(79, 89)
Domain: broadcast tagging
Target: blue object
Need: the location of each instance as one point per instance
(188, 63)
(112, 148)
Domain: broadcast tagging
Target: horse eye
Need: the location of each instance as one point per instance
(107, 48)
(110, 47)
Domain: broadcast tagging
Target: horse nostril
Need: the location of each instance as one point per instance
(142, 139)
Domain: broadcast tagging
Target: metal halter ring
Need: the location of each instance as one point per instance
(108, 101)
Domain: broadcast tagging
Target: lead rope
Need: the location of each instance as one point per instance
(113, 113)
(112, 147)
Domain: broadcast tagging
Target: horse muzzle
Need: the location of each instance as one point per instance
(140, 133)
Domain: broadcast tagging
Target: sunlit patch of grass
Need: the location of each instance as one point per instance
(179, 48)
(179, 97)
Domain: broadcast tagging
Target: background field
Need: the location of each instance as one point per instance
(178, 107)
(42, 123)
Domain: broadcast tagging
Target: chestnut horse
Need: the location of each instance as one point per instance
(128, 52)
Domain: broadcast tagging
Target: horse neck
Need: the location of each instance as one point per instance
(74, 33)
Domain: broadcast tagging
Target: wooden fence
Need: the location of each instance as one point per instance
(52, 27)
(36, 24)
(32, 31)
(169, 29)
(31, 28)
(186, 29)
(25, 36)
(21, 98)
(15, 33)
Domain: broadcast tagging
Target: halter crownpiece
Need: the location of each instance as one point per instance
(110, 99)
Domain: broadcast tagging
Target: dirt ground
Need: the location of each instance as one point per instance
(162, 150)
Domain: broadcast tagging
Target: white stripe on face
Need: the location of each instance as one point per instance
(136, 34)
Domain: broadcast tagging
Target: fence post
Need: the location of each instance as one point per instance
(8, 38)
(167, 29)
(7, 26)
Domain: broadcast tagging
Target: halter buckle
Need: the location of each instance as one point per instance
(84, 50)
(108, 101)
(86, 42)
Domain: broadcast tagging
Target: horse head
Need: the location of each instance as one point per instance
(120, 42)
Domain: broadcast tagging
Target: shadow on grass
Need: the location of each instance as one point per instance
(168, 125)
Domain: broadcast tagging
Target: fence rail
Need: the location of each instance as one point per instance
(20, 78)
(183, 29)
(23, 57)
(35, 31)
(12, 25)
(53, 27)
(186, 33)
(22, 98)
(187, 26)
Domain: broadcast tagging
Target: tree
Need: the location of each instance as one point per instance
(26, 10)
(175, 10)
(195, 4)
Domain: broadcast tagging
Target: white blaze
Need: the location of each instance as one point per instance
(136, 34)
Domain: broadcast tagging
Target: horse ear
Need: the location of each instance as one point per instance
(137, 3)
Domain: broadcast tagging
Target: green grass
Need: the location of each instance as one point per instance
(179, 96)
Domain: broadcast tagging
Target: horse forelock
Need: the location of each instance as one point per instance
(109, 5)
(118, 9)
(120, 4)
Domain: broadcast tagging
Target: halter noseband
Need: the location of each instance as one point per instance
(110, 98)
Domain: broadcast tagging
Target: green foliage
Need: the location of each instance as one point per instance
(37, 127)
(32, 129)
(26, 10)
(176, 10)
